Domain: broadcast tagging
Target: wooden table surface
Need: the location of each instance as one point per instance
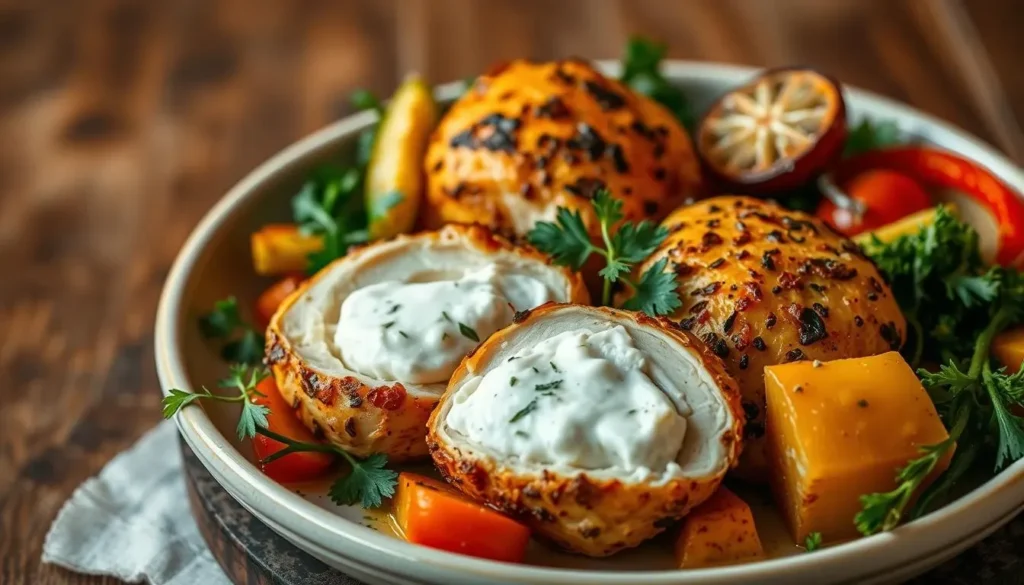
(121, 122)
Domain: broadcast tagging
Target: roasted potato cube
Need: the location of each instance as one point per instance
(719, 531)
(841, 429)
(282, 248)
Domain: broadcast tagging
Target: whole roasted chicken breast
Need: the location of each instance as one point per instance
(763, 285)
(599, 427)
(364, 349)
(529, 137)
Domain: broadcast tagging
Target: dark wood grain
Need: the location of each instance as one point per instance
(123, 121)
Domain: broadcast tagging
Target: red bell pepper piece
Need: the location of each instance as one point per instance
(885, 197)
(294, 467)
(940, 168)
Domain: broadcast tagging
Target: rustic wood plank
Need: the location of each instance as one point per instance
(124, 120)
(995, 26)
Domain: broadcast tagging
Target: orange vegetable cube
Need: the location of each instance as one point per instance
(719, 531)
(432, 513)
(282, 248)
(270, 299)
(840, 429)
(1008, 348)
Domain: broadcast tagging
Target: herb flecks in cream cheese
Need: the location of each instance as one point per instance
(418, 332)
(597, 409)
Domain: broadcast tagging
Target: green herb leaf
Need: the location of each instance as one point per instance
(364, 99)
(368, 483)
(222, 321)
(253, 415)
(179, 399)
(642, 72)
(1011, 427)
(607, 208)
(248, 349)
(568, 243)
(524, 411)
(656, 292)
(871, 135)
(812, 542)
(566, 240)
(331, 204)
(613, 270)
(512, 381)
(883, 511)
(635, 242)
(242, 379)
(549, 386)
(468, 332)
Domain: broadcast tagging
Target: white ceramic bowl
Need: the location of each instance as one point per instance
(214, 263)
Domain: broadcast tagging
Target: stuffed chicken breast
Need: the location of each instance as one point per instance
(530, 137)
(600, 427)
(365, 348)
(763, 285)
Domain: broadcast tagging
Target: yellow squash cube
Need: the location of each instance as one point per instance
(840, 429)
(719, 531)
(282, 248)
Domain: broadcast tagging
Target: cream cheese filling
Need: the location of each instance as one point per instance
(581, 399)
(418, 332)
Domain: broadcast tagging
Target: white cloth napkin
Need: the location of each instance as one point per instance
(132, 521)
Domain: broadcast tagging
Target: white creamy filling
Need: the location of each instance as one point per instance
(418, 332)
(580, 400)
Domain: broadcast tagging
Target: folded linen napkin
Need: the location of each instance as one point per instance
(132, 521)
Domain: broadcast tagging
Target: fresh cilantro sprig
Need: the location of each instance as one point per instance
(568, 243)
(883, 511)
(942, 287)
(368, 481)
(955, 307)
(223, 322)
(331, 203)
(872, 135)
(242, 379)
(641, 71)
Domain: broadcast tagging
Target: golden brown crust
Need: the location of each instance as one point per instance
(363, 415)
(762, 285)
(593, 516)
(541, 135)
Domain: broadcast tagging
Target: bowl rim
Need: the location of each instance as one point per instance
(996, 499)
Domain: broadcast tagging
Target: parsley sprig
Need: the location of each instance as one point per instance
(955, 307)
(331, 203)
(568, 243)
(641, 71)
(242, 379)
(243, 344)
(872, 135)
(368, 482)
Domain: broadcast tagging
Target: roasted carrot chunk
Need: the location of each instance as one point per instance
(433, 514)
(271, 299)
(293, 467)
